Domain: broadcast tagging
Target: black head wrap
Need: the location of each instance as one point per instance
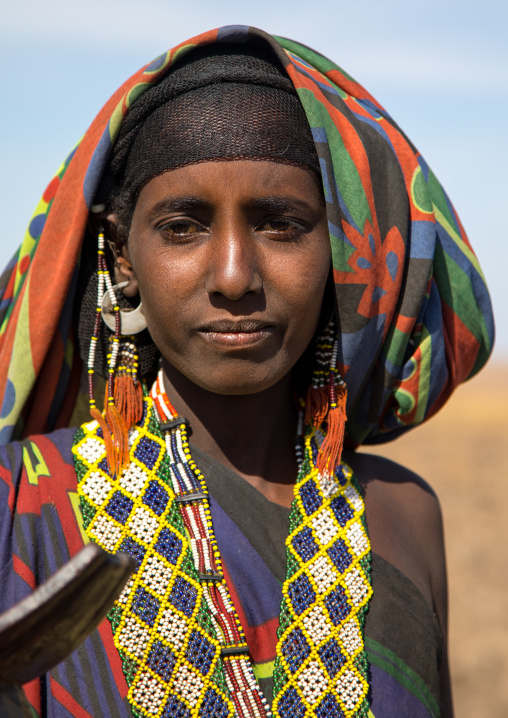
(230, 101)
(221, 101)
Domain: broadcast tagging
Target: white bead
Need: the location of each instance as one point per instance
(323, 573)
(324, 526)
(316, 625)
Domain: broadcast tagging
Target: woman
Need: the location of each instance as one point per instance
(234, 184)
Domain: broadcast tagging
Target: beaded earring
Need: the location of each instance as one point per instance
(326, 400)
(123, 401)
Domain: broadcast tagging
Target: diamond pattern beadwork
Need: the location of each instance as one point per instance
(320, 670)
(176, 708)
(342, 510)
(96, 487)
(183, 596)
(173, 628)
(156, 498)
(133, 480)
(147, 451)
(316, 625)
(301, 593)
(134, 549)
(170, 640)
(312, 682)
(145, 606)
(329, 708)
(324, 527)
(160, 615)
(357, 539)
(161, 660)
(311, 500)
(304, 544)
(169, 545)
(323, 573)
(213, 706)
(332, 657)
(119, 507)
(295, 649)
(91, 449)
(190, 684)
(106, 533)
(200, 652)
(157, 575)
(187, 481)
(339, 554)
(337, 604)
(290, 705)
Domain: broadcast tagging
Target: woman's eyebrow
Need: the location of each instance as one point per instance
(275, 203)
(279, 204)
(183, 203)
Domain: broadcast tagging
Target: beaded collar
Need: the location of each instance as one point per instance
(183, 649)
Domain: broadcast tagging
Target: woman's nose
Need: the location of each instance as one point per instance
(234, 265)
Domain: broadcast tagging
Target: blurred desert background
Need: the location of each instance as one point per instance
(463, 453)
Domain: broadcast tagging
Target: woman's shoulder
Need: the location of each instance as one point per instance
(398, 488)
(404, 521)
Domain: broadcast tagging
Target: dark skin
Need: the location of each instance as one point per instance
(231, 266)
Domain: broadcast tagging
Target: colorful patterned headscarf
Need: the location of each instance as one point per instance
(414, 313)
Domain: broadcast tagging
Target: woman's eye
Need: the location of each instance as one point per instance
(181, 227)
(280, 225)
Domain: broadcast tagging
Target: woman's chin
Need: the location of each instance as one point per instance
(226, 381)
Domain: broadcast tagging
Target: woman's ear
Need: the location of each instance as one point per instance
(99, 218)
(125, 273)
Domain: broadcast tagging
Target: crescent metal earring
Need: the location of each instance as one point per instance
(131, 322)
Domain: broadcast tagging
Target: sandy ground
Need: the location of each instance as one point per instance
(463, 454)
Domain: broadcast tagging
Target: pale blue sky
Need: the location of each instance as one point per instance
(439, 67)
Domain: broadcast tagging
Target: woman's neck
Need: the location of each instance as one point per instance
(251, 434)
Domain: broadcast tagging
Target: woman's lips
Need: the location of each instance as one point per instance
(236, 334)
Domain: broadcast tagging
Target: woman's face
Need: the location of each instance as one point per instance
(231, 260)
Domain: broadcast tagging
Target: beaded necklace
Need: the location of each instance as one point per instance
(182, 646)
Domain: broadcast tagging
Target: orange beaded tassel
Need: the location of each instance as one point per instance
(326, 401)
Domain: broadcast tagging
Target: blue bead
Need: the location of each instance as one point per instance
(147, 452)
(119, 507)
(329, 708)
(145, 606)
(332, 657)
(133, 549)
(183, 596)
(311, 499)
(200, 652)
(169, 545)
(301, 593)
(295, 649)
(339, 554)
(340, 475)
(304, 544)
(156, 498)
(290, 705)
(213, 706)
(337, 605)
(341, 510)
(175, 708)
(161, 660)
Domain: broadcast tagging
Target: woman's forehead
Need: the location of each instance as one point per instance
(243, 179)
